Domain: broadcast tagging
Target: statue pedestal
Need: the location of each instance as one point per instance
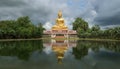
(60, 33)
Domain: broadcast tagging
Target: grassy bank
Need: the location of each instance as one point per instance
(96, 39)
(87, 39)
(20, 39)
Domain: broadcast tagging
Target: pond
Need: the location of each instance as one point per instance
(59, 54)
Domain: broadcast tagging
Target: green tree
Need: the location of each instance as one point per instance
(24, 21)
(20, 28)
(80, 23)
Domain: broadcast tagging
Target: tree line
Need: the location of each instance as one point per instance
(24, 28)
(83, 30)
(20, 28)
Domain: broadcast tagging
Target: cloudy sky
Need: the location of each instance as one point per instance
(105, 13)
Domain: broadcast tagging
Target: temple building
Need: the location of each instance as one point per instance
(59, 29)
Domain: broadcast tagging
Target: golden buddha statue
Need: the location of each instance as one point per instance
(59, 23)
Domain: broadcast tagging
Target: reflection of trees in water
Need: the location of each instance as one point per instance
(21, 49)
(113, 46)
(80, 52)
(82, 47)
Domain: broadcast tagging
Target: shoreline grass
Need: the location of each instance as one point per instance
(86, 39)
(97, 39)
(20, 39)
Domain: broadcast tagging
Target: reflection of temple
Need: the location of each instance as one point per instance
(60, 47)
(59, 29)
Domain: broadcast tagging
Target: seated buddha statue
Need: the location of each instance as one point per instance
(59, 23)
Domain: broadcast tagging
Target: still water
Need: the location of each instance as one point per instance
(59, 54)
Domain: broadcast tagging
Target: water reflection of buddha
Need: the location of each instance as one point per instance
(59, 50)
(59, 23)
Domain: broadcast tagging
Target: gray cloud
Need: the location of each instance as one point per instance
(11, 3)
(108, 12)
(101, 12)
(38, 10)
(11, 9)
